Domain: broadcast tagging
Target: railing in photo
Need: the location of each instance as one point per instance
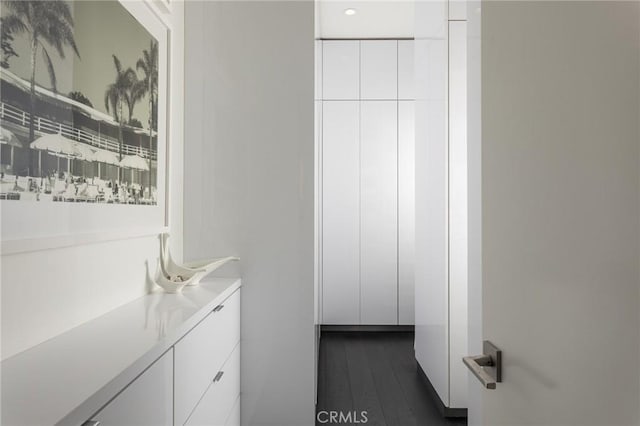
(44, 125)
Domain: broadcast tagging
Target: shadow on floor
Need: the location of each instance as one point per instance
(375, 373)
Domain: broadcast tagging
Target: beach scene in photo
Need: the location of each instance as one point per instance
(78, 104)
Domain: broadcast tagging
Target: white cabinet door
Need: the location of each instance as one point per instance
(379, 69)
(340, 69)
(234, 417)
(431, 236)
(318, 70)
(379, 213)
(405, 70)
(147, 401)
(457, 10)
(458, 217)
(406, 211)
(340, 212)
(201, 353)
(216, 405)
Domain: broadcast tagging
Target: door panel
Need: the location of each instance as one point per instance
(340, 69)
(458, 215)
(559, 211)
(431, 243)
(379, 209)
(406, 211)
(379, 69)
(406, 71)
(340, 212)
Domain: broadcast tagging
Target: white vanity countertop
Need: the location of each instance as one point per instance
(67, 379)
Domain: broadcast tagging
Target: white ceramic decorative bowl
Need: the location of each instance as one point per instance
(173, 277)
(171, 283)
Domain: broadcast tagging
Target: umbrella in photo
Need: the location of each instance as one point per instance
(85, 153)
(58, 145)
(8, 138)
(134, 162)
(107, 157)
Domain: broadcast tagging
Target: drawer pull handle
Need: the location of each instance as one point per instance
(218, 376)
(91, 423)
(218, 308)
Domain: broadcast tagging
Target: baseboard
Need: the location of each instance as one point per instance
(366, 328)
(444, 410)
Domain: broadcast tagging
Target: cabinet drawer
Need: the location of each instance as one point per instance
(147, 401)
(217, 404)
(202, 352)
(234, 417)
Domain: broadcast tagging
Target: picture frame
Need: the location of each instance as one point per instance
(30, 226)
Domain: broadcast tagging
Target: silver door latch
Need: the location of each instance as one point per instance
(486, 367)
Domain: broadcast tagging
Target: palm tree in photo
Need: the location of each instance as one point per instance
(135, 92)
(115, 97)
(47, 22)
(80, 97)
(6, 42)
(149, 66)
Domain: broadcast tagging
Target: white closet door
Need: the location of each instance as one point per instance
(318, 70)
(406, 211)
(405, 69)
(340, 212)
(379, 69)
(341, 69)
(379, 213)
(458, 246)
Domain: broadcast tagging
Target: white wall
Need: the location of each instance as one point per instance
(249, 147)
(47, 292)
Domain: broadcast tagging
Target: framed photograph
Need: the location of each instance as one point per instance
(83, 120)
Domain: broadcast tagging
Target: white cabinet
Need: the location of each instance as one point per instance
(318, 70)
(121, 369)
(195, 383)
(216, 406)
(200, 355)
(366, 183)
(340, 212)
(458, 217)
(457, 10)
(340, 69)
(379, 69)
(378, 215)
(148, 401)
(441, 212)
(406, 70)
(234, 417)
(406, 211)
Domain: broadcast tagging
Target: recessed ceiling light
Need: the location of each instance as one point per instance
(350, 12)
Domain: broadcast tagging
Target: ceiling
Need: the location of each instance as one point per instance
(373, 19)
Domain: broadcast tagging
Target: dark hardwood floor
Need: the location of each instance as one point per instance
(376, 373)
